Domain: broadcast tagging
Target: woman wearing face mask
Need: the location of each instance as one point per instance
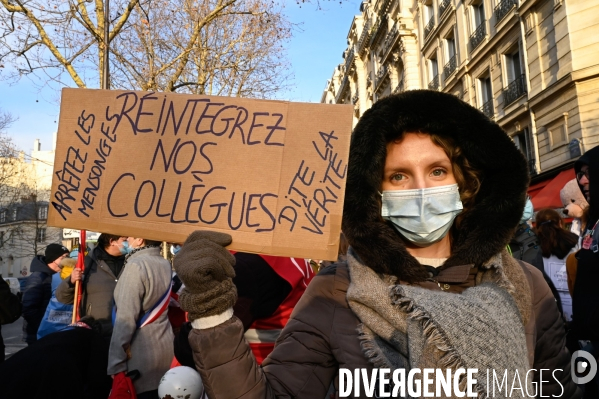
(434, 192)
(142, 338)
(103, 266)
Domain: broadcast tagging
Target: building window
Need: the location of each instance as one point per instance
(479, 14)
(3, 216)
(516, 81)
(14, 214)
(486, 96)
(451, 64)
(433, 70)
(1, 238)
(43, 212)
(41, 234)
(523, 140)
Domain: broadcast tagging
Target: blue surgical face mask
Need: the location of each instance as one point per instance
(125, 249)
(422, 216)
(528, 211)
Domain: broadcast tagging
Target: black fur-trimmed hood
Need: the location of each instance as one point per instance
(499, 204)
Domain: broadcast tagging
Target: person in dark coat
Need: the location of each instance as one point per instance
(78, 352)
(10, 310)
(103, 267)
(434, 193)
(585, 296)
(38, 290)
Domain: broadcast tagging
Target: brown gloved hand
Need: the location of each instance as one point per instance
(206, 268)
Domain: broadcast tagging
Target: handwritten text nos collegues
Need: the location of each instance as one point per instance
(308, 199)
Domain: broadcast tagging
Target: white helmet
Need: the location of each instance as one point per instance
(181, 382)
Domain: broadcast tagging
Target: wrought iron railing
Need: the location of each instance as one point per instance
(380, 76)
(443, 7)
(390, 39)
(377, 29)
(434, 84)
(478, 36)
(487, 109)
(355, 98)
(369, 79)
(429, 27)
(450, 67)
(349, 59)
(503, 8)
(363, 36)
(514, 90)
(342, 87)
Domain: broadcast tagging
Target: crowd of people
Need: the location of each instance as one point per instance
(435, 271)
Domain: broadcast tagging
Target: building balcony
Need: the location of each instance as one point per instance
(349, 59)
(377, 29)
(380, 76)
(399, 88)
(355, 99)
(450, 67)
(487, 109)
(503, 8)
(514, 90)
(341, 91)
(369, 79)
(429, 27)
(434, 84)
(363, 36)
(444, 6)
(477, 37)
(390, 39)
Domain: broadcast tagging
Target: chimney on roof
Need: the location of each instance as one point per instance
(37, 146)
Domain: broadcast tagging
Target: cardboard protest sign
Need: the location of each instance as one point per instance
(162, 165)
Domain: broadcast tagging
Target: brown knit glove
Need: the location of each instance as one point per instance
(206, 268)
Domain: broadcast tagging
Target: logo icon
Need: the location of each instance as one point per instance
(579, 366)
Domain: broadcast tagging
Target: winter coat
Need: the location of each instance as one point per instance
(38, 292)
(316, 343)
(97, 299)
(10, 306)
(67, 364)
(321, 335)
(585, 296)
(149, 349)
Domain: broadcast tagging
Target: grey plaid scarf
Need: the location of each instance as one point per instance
(407, 327)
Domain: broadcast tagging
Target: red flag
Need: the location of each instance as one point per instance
(81, 265)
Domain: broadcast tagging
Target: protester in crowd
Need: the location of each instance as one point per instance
(103, 266)
(58, 315)
(68, 364)
(556, 244)
(524, 246)
(583, 269)
(10, 311)
(142, 337)
(38, 290)
(268, 288)
(430, 206)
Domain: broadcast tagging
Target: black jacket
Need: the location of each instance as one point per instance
(10, 306)
(39, 371)
(585, 296)
(38, 292)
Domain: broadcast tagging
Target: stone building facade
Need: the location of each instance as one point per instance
(531, 65)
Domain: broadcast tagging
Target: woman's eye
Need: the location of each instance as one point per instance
(397, 177)
(438, 172)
